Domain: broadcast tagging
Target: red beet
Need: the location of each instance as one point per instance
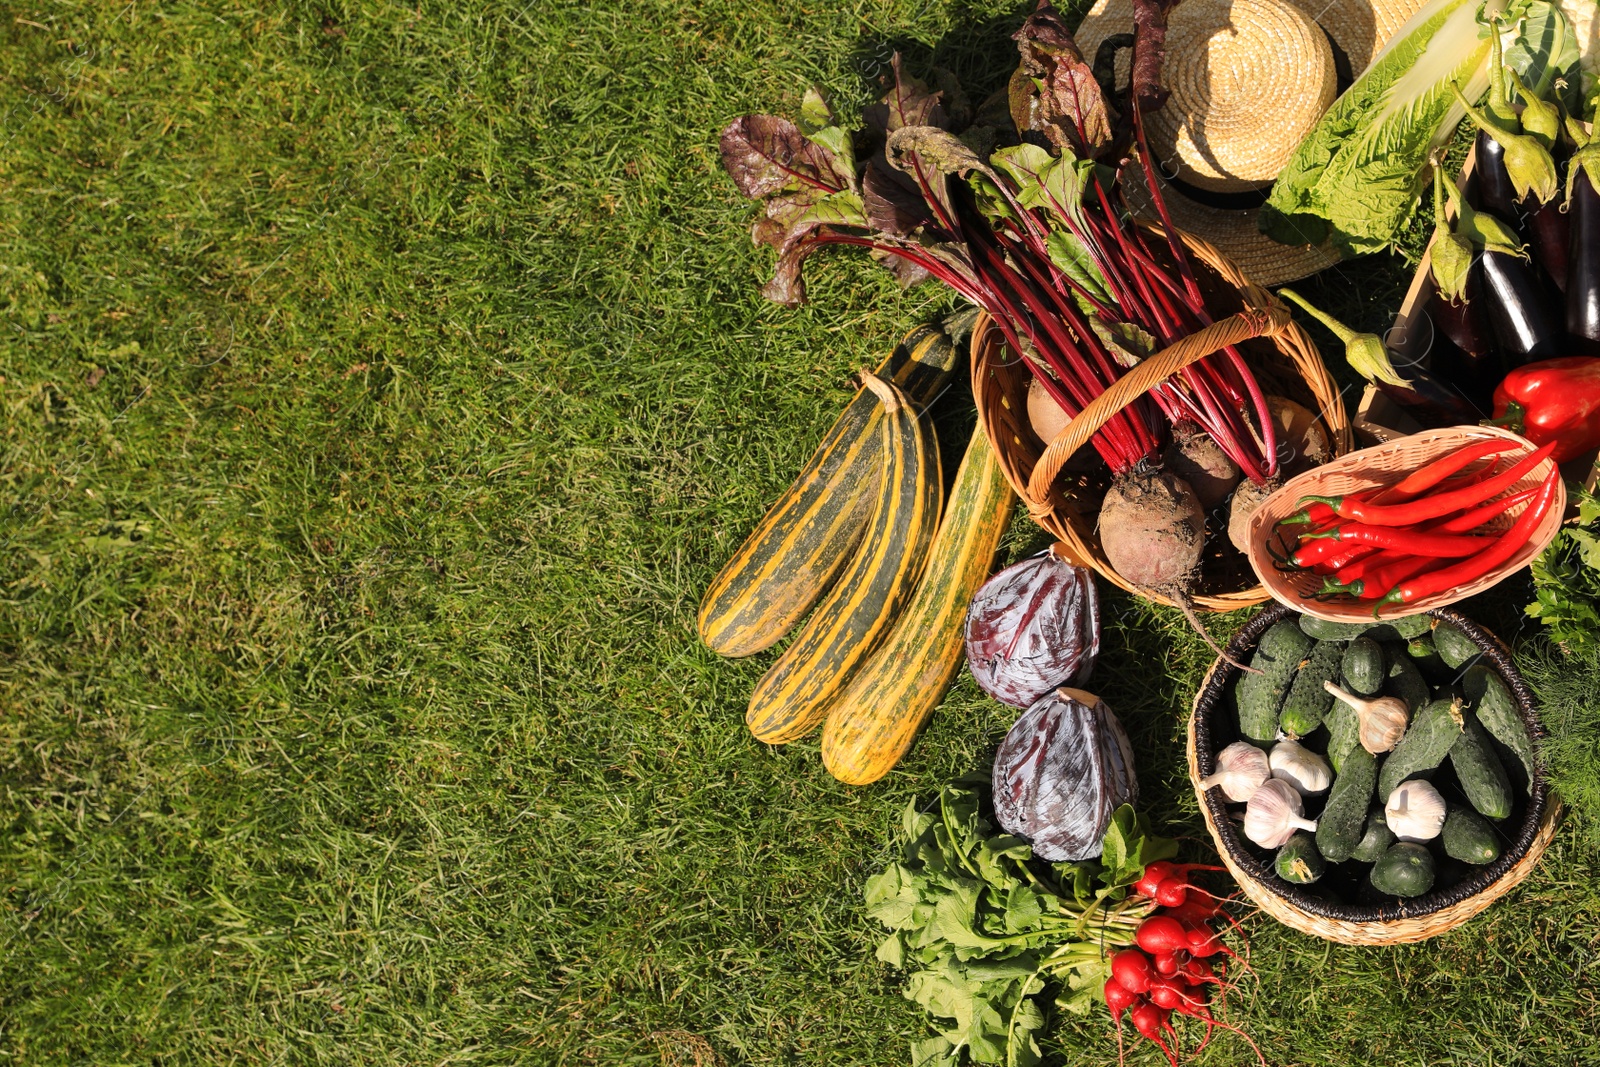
(1065, 766)
(1033, 627)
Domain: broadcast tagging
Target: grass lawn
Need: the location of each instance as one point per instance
(380, 385)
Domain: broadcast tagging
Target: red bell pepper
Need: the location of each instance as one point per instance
(1553, 400)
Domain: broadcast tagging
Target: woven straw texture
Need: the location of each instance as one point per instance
(1066, 504)
(1381, 465)
(1297, 907)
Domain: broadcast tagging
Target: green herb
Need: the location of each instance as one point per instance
(1565, 681)
(984, 928)
(1566, 578)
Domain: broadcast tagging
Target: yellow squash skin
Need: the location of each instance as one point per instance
(810, 534)
(872, 725)
(794, 696)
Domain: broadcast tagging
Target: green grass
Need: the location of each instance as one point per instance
(381, 385)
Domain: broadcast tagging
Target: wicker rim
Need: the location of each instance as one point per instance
(1375, 466)
(999, 385)
(1417, 919)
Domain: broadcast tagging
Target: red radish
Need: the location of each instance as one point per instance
(1197, 970)
(1194, 911)
(1166, 993)
(1119, 999)
(1154, 875)
(1150, 1020)
(1130, 968)
(1172, 892)
(1162, 933)
(1170, 963)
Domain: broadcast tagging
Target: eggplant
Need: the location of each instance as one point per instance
(1546, 228)
(1583, 274)
(1496, 194)
(1463, 323)
(1520, 311)
(1429, 399)
(1473, 375)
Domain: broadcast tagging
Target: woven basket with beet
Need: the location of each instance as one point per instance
(1062, 484)
(1345, 902)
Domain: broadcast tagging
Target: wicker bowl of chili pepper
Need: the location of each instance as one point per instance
(1408, 526)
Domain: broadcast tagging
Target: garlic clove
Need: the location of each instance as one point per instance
(1415, 811)
(1274, 813)
(1300, 767)
(1382, 719)
(1241, 768)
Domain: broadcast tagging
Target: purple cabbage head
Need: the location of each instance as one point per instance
(1063, 769)
(1033, 627)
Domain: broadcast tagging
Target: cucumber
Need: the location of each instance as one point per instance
(1405, 681)
(1307, 701)
(1404, 870)
(1376, 839)
(1488, 695)
(1483, 778)
(1426, 743)
(1298, 861)
(1426, 656)
(1402, 629)
(1466, 837)
(1280, 651)
(1455, 648)
(1362, 667)
(1340, 825)
(1344, 733)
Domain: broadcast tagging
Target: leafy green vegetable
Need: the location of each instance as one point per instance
(983, 927)
(1565, 680)
(1566, 579)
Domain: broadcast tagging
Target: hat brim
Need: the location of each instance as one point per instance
(1232, 231)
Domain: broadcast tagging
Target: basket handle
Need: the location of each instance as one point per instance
(1247, 324)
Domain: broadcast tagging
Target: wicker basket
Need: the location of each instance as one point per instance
(1433, 913)
(1067, 504)
(1386, 464)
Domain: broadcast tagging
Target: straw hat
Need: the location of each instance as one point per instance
(1248, 80)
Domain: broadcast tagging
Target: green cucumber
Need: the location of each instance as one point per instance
(1483, 778)
(1375, 839)
(1488, 695)
(1298, 861)
(1426, 743)
(1362, 667)
(1467, 837)
(1426, 656)
(1455, 648)
(1280, 651)
(1344, 733)
(1405, 681)
(1340, 825)
(1401, 629)
(1307, 701)
(1404, 870)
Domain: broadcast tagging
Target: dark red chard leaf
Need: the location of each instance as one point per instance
(788, 286)
(1149, 52)
(892, 202)
(765, 154)
(781, 215)
(909, 102)
(1054, 91)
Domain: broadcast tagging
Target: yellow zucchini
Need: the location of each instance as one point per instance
(872, 725)
(808, 536)
(794, 695)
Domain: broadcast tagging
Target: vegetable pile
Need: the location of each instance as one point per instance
(1375, 761)
(1431, 532)
(987, 930)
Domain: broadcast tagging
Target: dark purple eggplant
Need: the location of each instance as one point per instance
(1474, 376)
(1496, 194)
(1545, 226)
(1520, 309)
(1583, 285)
(1061, 772)
(1429, 399)
(1462, 322)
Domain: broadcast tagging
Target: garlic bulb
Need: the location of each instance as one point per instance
(1241, 768)
(1383, 720)
(1415, 811)
(1274, 814)
(1300, 767)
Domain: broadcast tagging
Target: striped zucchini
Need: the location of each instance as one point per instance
(855, 616)
(873, 724)
(806, 539)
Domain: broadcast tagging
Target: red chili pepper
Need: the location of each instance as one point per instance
(1347, 555)
(1411, 542)
(1471, 520)
(1318, 551)
(1373, 585)
(1510, 542)
(1553, 401)
(1431, 474)
(1439, 504)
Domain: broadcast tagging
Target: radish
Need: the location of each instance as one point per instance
(1119, 999)
(1172, 893)
(1154, 875)
(1150, 1020)
(1130, 969)
(1169, 964)
(1167, 993)
(1162, 933)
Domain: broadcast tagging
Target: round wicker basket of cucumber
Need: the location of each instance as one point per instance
(1371, 783)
